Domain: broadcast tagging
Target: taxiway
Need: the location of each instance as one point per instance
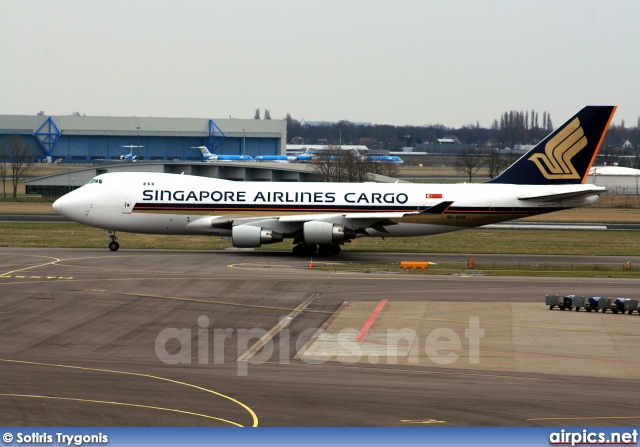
(170, 338)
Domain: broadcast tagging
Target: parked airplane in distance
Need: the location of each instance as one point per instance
(208, 156)
(311, 154)
(306, 157)
(130, 156)
(320, 217)
(277, 158)
(385, 158)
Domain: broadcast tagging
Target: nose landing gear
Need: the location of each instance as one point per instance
(113, 245)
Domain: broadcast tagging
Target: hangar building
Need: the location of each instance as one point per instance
(83, 139)
(617, 179)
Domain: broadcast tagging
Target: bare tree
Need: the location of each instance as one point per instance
(549, 124)
(337, 165)
(382, 168)
(496, 163)
(468, 161)
(20, 158)
(256, 116)
(267, 114)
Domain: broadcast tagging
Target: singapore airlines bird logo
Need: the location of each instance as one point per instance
(555, 163)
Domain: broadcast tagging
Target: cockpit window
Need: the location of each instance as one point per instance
(96, 180)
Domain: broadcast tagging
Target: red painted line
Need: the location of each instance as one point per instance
(372, 318)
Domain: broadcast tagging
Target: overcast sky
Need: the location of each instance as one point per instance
(385, 62)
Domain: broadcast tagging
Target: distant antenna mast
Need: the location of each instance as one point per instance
(216, 137)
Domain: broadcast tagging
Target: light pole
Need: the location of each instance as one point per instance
(138, 127)
(243, 142)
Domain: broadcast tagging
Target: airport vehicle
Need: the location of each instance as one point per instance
(562, 302)
(320, 217)
(605, 304)
(208, 156)
(578, 302)
(631, 305)
(592, 303)
(622, 305)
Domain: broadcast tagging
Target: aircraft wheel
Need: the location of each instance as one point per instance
(334, 249)
(324, 249)
(114, 246)
(298, 250)
(310, 249)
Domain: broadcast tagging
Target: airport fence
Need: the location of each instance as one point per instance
(615, 199)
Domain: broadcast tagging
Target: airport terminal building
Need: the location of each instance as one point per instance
(82, 139)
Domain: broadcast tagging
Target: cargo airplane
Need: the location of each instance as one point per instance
(320, 217)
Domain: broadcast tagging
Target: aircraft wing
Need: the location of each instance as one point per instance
(355, 217)
(288, 223)
(554, 196)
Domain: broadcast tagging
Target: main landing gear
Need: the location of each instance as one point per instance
(113, 245)
(312, 249)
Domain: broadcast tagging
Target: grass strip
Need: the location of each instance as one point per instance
(472, 241)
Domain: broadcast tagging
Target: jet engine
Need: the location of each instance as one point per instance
(321, 233)
(246, 236)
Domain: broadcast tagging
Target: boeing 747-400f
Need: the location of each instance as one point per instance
(319, 217)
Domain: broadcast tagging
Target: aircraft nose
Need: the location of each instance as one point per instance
(57, 206)
(68, 205)
(73, 205)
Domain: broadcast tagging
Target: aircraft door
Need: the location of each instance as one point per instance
(127, 205)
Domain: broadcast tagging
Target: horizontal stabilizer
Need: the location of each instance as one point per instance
(552, 196)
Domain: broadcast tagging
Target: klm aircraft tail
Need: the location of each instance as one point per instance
(205, 151)
(566, 155)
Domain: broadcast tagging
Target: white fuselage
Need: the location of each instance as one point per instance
(178, 204)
